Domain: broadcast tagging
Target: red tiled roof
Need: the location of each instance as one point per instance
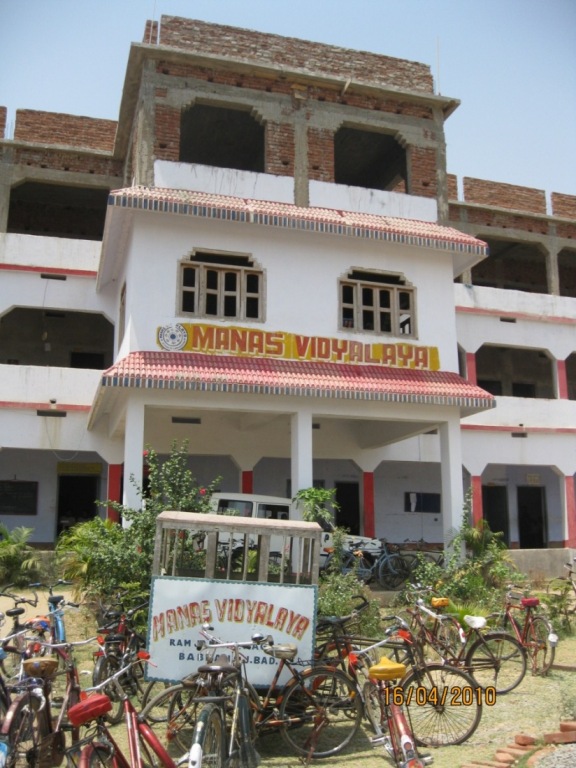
(273, 376)
(323, 220)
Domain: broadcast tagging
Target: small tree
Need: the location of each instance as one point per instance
(318, 504)
(102, 554)
(18, 563)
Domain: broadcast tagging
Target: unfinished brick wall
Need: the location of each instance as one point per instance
(452, 186)
(67, 160)
(274, 50)
(320, 155)
(67, 130)
(3, 119)
(280, 149)
(422, 172)
(167, 131)
(563, 205)
(498, 195)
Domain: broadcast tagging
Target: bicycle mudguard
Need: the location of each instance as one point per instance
(249, 757)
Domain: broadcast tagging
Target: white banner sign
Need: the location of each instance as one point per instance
(236, 610)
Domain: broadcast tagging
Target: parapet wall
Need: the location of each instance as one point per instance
(64, 130)
(289, 53)
(495, 194)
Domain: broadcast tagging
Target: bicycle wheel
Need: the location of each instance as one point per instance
(105, 667)
(154, 705)
(10, 662)
(540, 650)
(437, 720)
(372, 708)
(96, 755)
(208, 741)
(322, 711)
(498, 660)
(392, 571)
(447, 633)
(23, 731)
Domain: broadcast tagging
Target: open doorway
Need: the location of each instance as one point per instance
(348, 498)
(495, 509)
(77, 495)
(532, 526)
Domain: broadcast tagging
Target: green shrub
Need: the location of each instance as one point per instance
(18, 562)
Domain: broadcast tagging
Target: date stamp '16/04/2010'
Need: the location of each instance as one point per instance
(455, 696)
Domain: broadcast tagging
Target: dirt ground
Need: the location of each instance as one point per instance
(535, 707)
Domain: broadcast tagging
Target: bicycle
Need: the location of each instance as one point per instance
(561, 594)
(534, 631)
(434, 724)
(387, 567)
(119, 642)
(495, 659)
(18, 645)
(302, 709)
(392, 727)
(30, 731)
(99, 746)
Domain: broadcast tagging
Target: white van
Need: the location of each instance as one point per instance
(278, 508)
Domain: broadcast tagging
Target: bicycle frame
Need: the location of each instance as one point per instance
(96, 706)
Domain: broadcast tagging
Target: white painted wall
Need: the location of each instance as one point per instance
(55, 252)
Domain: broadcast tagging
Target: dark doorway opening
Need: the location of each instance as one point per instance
(348, 498)
(495, 509)
(532, 517)
(77, 495)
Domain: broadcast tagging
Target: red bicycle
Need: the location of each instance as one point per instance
(100, 747)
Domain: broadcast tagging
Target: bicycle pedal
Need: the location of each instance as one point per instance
(426, 759)
(375, 740)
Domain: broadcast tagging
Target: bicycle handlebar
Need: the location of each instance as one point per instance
(331, 620)
(18, 598)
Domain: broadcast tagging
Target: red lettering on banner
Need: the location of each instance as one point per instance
(356, 352)
(281, 619)
(302, 345)
(158, 626)
(238, 340)
(203, 338)
(222, 339)
(421, 358)
(275, 343)
(301, 626)
(323, 348)
(256, 343)
(388, 354)
(339, 349)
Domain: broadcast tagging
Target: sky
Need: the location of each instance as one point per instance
(511, 63)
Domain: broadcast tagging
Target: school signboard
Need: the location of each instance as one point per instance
(236, 610)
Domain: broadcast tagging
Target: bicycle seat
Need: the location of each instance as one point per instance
(440, 602)
(475, 622)
(386, 669)
(15, 612)
(217, 668)
(54, 600)
(286, 651)
(529, 602)
(94, 706)
(43, 668)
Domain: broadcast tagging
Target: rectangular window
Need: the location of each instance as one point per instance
(222, 286)
(377, 302)
(18, 497)
(422, 502)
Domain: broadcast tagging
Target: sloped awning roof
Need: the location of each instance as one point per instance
(425, 234)
(178, 371)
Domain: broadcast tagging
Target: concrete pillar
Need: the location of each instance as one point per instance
(552, 272)
(133, 448)
(301, 449)
(451, 474)
(561, 380)
(247, 481)
(114, 489)
(471, 375)
(570, 493)
(369, 516)
(477, 507)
